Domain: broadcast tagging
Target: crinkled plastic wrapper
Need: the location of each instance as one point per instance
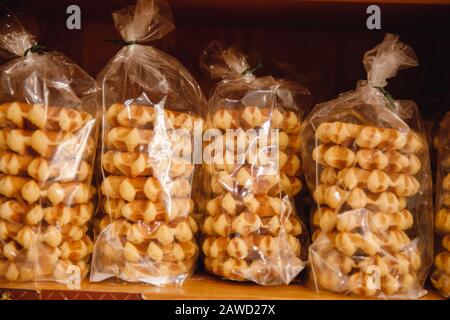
(441, 274)
(48, 132)
(252, 167)
(366, 162)
(152, 110)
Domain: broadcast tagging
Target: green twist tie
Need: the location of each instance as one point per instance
(251, 70)
(35, 49)
(389, 98)
(121, 42)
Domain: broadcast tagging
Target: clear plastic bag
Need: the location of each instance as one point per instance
(152, 109)
(366, 161)
(441, 274)
(48, 131)
(252, 168)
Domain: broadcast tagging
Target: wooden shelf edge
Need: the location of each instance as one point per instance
(199, 287)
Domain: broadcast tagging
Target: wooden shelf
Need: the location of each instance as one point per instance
(201, 287)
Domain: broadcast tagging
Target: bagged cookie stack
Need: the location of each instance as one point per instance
(48, 133)
(251, 231)
(152, 111)
(367, 164)
(441, 274)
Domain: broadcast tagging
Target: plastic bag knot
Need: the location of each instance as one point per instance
(386, 59)
(146, 21)
(226, 63)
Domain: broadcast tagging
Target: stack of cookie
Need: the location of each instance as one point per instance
(46, 156)
(251, 229)
(441, 275)
(148, 233)
(365, 178)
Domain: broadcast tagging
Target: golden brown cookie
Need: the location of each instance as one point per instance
(37, 116)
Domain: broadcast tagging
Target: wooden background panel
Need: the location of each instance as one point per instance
(318, 44)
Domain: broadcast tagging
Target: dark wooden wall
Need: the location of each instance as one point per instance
(320, 45)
